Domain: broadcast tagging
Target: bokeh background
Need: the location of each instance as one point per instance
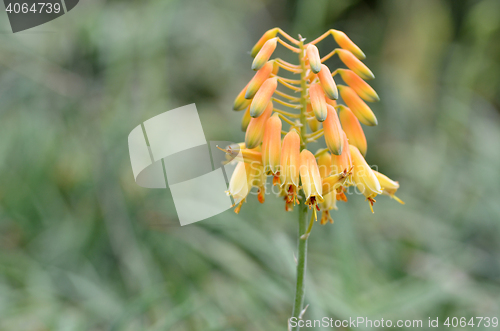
(82, 247)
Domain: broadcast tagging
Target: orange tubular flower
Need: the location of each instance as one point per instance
(263, 96)
(314, 59)
(258, 79)
(389, 187)
(264, 53)
(255, 130)
(361, 87)
(342, 163)
(318, 102)
(240, 102)
(311, 178)
(330, 198)
(265, 37)
(357, 106)
(290, 163)
(352, 129)
(354, 64)
(327, 82)
(271, 147)
(363, 176)
(343, 40)
(334, 137)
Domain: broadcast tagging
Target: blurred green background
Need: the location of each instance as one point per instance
(82, 247)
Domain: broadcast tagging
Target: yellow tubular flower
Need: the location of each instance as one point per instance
(264, 53)
(330, 198)
(263, 96)
(354, 64)
(327, 83)
(245, 120)
(314, 59)
(363, 176)
(258, 79)
(318, 102)
(352, 129)
(343, 40)
(255, 130)
(240, 102)
(289, 166)
(310, 178)
(389, 186)
(271, 146)
(258, 179)
(342, 163)
(265, 37)
(240, 184)
(361, 87)
(334, 136)
(357, 106)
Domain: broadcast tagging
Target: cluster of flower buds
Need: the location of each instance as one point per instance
(319, 179)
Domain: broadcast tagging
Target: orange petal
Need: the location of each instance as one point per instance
(343, 40)
(311, 119)
(255, 130)
(363, 176)
(265, 53)
(240, 102)
(290, 160)
(361, 87)
(258, 79)
(334, 136)
(352, 129)
(357, 106)
(343, 162)
(310, 177)
(355, 64)
(265, 37)
(271, 145)
(318, 102)
(325, 164)
(314, 59)
(263, 96)
(327, 82)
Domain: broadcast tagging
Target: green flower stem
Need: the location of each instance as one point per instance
(302, 243)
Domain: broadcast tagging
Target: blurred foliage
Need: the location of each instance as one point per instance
(83, 248)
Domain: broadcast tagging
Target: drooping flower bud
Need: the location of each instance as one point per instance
(271, 145)
(327, 83)
(363, 176)
(318, 102)
(258, 79)
(245, 120)
(263, 96)
(264, 53)
(314, 59)
(310, 178)
(361, 87)
(343, 162)
(265, 37)
(240, 102)
(357, 106)
(343, 40)
(352, 129)
(290, 164)
(355, 64)
(334, 136)
(389, 186)
(255, 130)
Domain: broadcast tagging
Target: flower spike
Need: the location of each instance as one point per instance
(264, 53)
(263, 96)
(357, 106)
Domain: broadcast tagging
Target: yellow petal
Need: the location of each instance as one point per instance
(265, 37)
(354, 64)
(314, 59)
(318, 102)
(334, 137)
(389, 186)
(343, 162)
(258, 79)
(357, 106)
(343, 40)
(363, 176)
(361, 87)
(255, 130)
(263, 96)
(331, 183)
(239, 185)
(327, 82)
(325, 164)
(265, 53)
(271, 145)
(352, 129)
